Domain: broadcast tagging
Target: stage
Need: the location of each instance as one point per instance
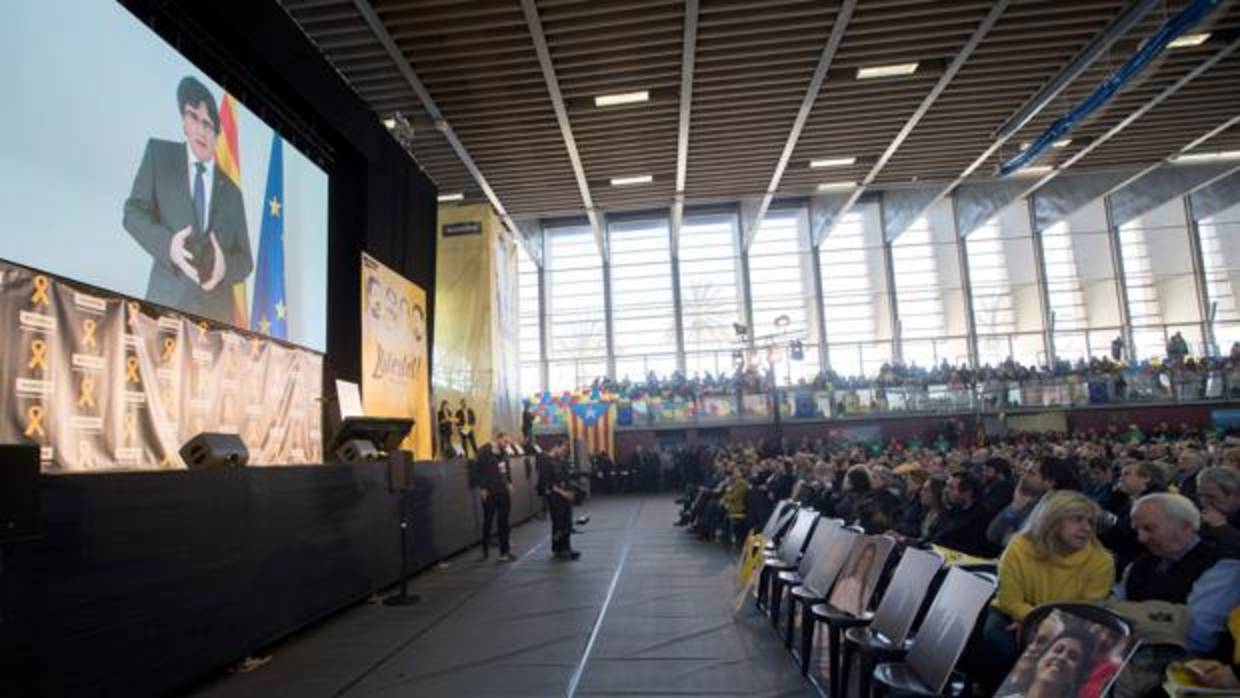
(646, 611)
(144, 582)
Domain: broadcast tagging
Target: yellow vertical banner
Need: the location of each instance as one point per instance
(395, 375)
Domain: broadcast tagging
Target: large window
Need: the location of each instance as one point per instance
(918, 294)
(854, 294)
(530, 327)
(781, 296)
(1081, 284)
(709, 292)
(993, 314)
(577, 350)
(1220, 256)
(643, 314)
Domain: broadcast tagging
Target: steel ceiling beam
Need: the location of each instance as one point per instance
(979, 34)
(1114, 131)
(687, 59)
(534, 22)
(432, 109)
(807, 105)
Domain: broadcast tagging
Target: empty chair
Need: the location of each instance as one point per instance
(942, 637)
(789, 552)
(786, 578)
(885, 639)
(779, 523)
(816, 582)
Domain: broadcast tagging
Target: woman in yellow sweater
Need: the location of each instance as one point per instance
(1055, 558)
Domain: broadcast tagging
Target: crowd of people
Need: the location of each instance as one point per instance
(749, 379)
(1113, 517)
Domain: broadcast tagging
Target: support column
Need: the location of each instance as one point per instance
(1044, 289)
(893, 305)
(608, 324)
(544, 371)
(1121, 280)
(1199, 275)
(966, 284)
(678, 309)
(746, 291)
(820, 308)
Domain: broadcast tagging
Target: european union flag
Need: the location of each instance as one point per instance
(269, 313)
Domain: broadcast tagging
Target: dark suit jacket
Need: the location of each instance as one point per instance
(160, 204)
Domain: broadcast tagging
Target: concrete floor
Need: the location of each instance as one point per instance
(647, 611)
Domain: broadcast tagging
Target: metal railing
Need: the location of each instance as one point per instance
(806, 403)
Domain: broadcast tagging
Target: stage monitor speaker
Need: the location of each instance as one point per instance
(357, 451)
(19, 492)
(211, 450)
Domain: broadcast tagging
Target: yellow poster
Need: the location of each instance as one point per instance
(395, 376)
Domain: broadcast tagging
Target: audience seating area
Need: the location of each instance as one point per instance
(870, 569)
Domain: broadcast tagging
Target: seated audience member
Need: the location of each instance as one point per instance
(1188, 465)
(997, 482)
(1182, 568)
(1136, 479)
(1056, 558)
(964, 525)
(733, 502)
(1218, 491)
(1046, 475)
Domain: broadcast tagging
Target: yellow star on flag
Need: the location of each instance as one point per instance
(275, 207)
(264, 325)
(281, 309)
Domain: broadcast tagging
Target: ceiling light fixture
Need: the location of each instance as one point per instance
(449, 198)
(631, 181)
(1062, 143)
(886, 71)
(833, 162)
(1194, 158)
(1189, 40)
(837, 186)
(622, 98)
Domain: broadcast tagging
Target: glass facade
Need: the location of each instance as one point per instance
(906, 299)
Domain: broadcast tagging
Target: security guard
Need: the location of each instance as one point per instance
(560, 497)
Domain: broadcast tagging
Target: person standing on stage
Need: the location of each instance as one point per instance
(466, 421)
(560, 496)
(444, 419)
(494, 482)
(527, 424)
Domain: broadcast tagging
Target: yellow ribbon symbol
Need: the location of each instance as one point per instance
(131, 428)
(86, 454)
(38, 355)
(256, 345)
(131, 370)
(40, 292)
(87, 398)
(88, 334)
(170, 347)
(134, 309)
(202, 330)
(34, 422)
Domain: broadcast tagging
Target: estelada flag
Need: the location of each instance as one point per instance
(228, 157)
(594, 423)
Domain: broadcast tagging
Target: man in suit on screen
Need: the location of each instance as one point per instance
(189, 216)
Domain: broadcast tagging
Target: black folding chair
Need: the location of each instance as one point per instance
(885, 639)
(789, 552)
(929, 669)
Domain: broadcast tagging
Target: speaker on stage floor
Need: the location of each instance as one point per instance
(357, 451)
(19, 492)
(211, 450)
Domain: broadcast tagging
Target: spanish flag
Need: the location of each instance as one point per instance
(228, 157)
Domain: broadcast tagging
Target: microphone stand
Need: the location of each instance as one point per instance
(404, 598)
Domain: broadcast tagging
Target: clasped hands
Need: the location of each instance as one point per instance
(182, 258)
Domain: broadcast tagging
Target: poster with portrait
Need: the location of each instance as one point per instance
(395, 375)
(1067, 657)
(860, 575)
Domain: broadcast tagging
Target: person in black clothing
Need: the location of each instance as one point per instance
(1136, 479)
(560, 496)
(527, 424)
(997, 484)
(964, 526)
(494, 483)
(466, 422)
(444, 419)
